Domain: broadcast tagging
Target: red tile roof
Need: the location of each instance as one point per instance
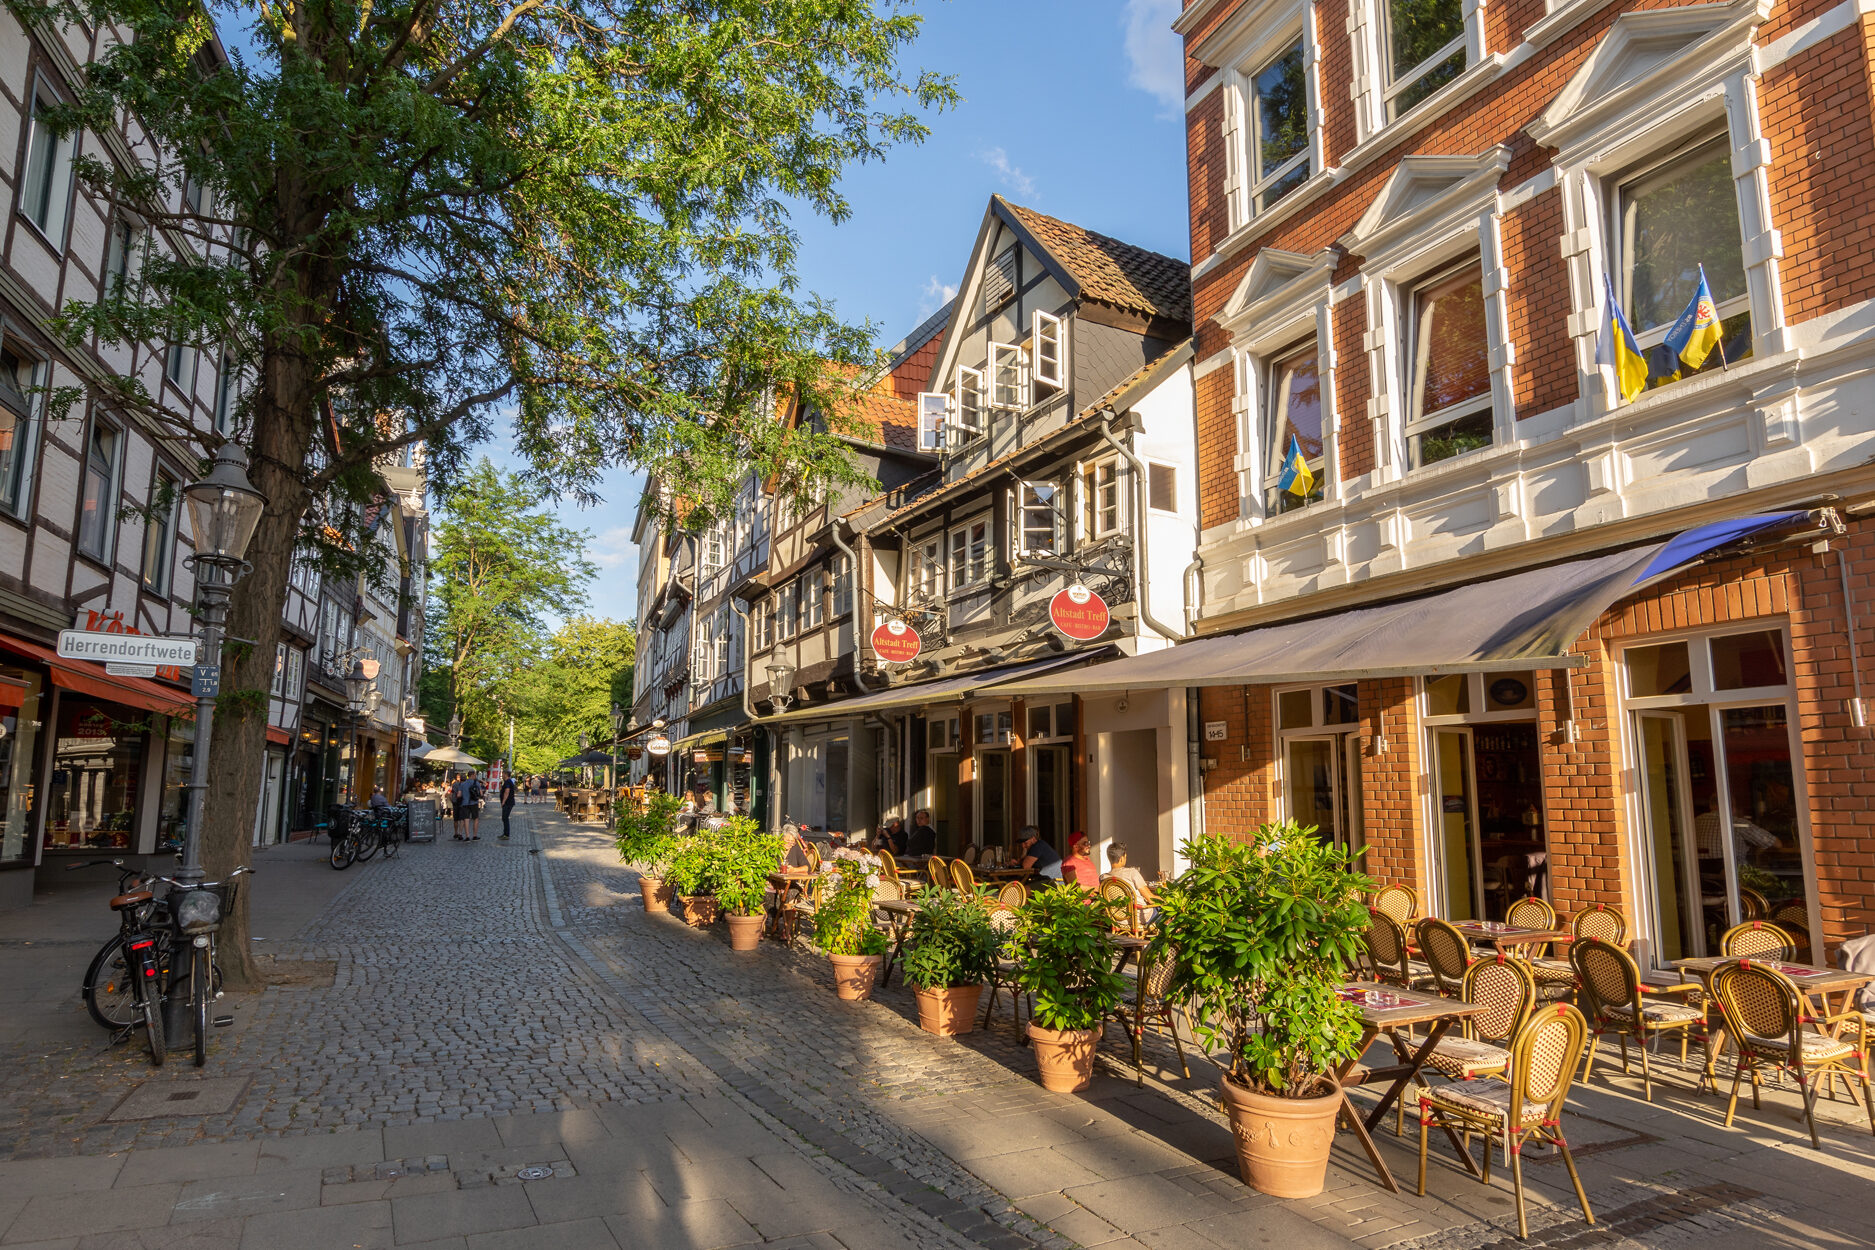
(1110, 270)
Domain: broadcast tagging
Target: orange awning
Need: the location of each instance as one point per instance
(84, 677)
(278, 736)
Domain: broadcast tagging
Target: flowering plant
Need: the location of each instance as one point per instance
(843, 921)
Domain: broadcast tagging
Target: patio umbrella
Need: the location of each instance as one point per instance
(453, 756)
(590, 757)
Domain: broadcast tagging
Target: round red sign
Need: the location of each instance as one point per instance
(896, 642)
(1080, 613)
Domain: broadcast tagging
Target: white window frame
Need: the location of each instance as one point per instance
(926, 575)
(159, 536)
(1264, 39)
(1417, 425)
(934, 417)
(1050, 350)
(721, 637)
(107, 532)
(28, 407)
(1054, 733)
(942, 736)
(1094, 527)
(815, 586)
(1033, 515)
(1395, 85)
(970, 553)
(969, 411)
(1006, 367)
(842, 586)
(1270, 480)
(49, 156)
(1375, 86)
(784, 612)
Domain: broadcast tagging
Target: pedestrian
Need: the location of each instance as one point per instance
(377, 798)
(469, 810)
(456, 801)
(507, 804)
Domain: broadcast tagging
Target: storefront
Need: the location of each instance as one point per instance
(22, 697)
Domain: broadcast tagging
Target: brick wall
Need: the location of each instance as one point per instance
(1544, 376)
(1390, 792)
(1239, 791)
(1218, 490)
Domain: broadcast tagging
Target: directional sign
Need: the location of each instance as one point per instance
(79, 644)
(205, 681)
(130, 670)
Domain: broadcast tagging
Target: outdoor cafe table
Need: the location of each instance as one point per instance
(1003, 874)
(784, 881)
(1509, 939)
(1389, 1009)
(1814, 982)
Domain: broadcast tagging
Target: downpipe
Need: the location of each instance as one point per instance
(852, 564)
(1141, 569)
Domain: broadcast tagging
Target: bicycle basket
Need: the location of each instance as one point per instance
(201, 909)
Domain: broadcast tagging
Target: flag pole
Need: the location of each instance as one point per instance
(1717, 321)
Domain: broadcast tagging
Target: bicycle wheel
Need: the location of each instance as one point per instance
(109, 995)
(198, 1002)
(391, 844)
(368, 841)
(343, 852)
(153, 1027)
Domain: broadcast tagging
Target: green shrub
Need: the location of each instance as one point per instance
(843, 922)
(648, 839)
(745, 857)
(950, 943)
(1069, 962)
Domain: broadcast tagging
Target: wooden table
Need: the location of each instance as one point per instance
(899, 912)
(1814, 981)
(785, 881)
(1508, 939)
(1389, 1009)
(1003, 874)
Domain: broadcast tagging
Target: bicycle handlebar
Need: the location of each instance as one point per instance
(201, 885)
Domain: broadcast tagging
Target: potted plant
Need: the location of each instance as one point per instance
(1265, 934)
(949, 951)
(647, 840)
(1068, 970)
(843, 922)
(695, 873)
(745, 857)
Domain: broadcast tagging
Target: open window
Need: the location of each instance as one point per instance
(926, 576)
(1038, 515)
(1449, 361)
(1292, 423)
(934, 410)
(1008, 377)
(967, 396)
(1100, 494)
(1049, 350)
(97, 517)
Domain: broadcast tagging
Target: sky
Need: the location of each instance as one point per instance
(1071, 107)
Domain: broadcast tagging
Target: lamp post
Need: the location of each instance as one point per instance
(585, 769)
(455, 730)
(357, 697)
(224, 509)
(618, 726)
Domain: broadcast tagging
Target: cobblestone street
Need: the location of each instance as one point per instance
(512, 1053)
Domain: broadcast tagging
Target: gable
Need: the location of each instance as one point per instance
(1419, 190)
(1275, 278)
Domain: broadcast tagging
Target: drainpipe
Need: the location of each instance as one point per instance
(852, 563)
(748, 707)
(1140, 567)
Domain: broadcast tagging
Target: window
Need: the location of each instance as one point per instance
(765, 624)
(967, 400)
(20, 409)
(784, 610)
(225, 383)
(279, 669)
(295, 669)
(803, 596)
(1674, 218)
(927, 567)
(1038, 519)
(999, 280)
(192, 196)
(842, 586)
(1278, 106)
(1102, 499)
(1047, 722)
(99, 513)
(1449, 394)
(46, 185)
(941, 733)
(720, 637)
(934, 410)
(814, 599)
(159, 534)
(121, 257)
(993, 729)
(1008, 374)
(1162, 487)
(179, 366)
(1425, 49)
(1293, 414)
(712, 548)
(970, 554)
(1048, 348)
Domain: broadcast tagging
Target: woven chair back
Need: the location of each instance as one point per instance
(1117, 898)
(1531, 913)
(939, 872)
(1544, 1059)
(888, 867)
(1794, 918)
(1013, 894)
(962, 877)
(1157, 977)
(811, 853)
(1760, 1002)
(1446, 952)
(1506, 990)
(1608, 975)
(1753, 905)
(1386, 946)
(1600, 921)
(1755, 938)
(1397, 902)
(888, 890)
(1003, 921)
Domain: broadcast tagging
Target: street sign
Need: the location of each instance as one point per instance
(896, 642)
(1079, 613)
(130, 670)
(205, 681)
(659, 745)
(1216, 730)
(81, 644)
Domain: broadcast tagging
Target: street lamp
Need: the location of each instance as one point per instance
(455, 729)
(224, 508)
(584, 741)
(780, 681)
(618, 726)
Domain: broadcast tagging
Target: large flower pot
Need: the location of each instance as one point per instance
(854, 975)
(1282, 1143)
(948, 1012)
(745, 932)
(1064, 1056)
(656, 894)
(700, 910)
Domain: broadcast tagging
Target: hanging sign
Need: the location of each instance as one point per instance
(659, 746)
(1079, 613)
(896, 642)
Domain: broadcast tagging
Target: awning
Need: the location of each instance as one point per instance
(943, 690)
(1520, 621)
(278, 736)
(84, 677)
(708, 738)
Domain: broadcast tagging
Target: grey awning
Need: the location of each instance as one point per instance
(943, 690)
(1520, 621)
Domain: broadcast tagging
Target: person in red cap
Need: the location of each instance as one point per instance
(1078, 868)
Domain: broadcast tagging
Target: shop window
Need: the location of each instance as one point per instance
(1425, 48)
(21, 408)
(1051, 721)
(1292, 429)
(1449, 388)
(46, 183)
(1482, 696)
(1675, 218)
(1038, 519)
(1101, 494)
(98, 515)
(1278, 128)
(993, 729)
(91, 800)
(159, 535)
(172, 818)
(20, 699)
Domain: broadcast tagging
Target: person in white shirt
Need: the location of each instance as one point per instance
(1118, 867)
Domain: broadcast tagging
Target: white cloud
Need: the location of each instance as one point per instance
(936, 293)
(1008, 174)
(614, 548)
(1155, 56)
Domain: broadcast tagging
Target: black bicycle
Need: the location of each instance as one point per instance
(197, 911)
(124, 986)
(358, 836)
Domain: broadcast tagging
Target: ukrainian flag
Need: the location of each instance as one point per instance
(1619, 349)
(1697, 332)
(1297, 479)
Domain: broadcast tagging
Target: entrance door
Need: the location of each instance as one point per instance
(1048, 766)
(1672, 851)
(1456, 824)
(993, 798)
(1322, 776)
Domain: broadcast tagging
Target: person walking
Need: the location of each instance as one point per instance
(455, 807)
(469, 810)
(507, 804)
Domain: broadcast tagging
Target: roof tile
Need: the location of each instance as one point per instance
(1112, 271)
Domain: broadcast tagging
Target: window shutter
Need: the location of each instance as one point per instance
(1048, 358)
(1162, 487)
(934, 408)
(999, 279)
(968, 411)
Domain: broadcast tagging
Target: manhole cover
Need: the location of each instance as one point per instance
(156, 1100)
(535, 1173)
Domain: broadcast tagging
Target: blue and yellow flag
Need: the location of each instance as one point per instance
(1297, 478)
(1619, 350)
(1697, 332)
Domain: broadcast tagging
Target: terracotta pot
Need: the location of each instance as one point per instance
(700, 910)
(1282, 1143)
(745, 932)
(948, 1012)
(854, 975)
(1064, 1056)
(656, 894)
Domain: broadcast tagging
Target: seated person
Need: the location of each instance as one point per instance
(1118, 867)
(1078, 868)
(923, 837)
(1036, 855)
(895, 837)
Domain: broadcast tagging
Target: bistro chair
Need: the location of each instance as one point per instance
(939, 871)
(1503, 986)
(1753, 905)
(1005, 971)
(1387, 955)
(797, 911)
(1446, 952)
(1531, 913)
(1755, 939)
(1556, 978)
(1765, 1013)
(888, 867)
(963, 878)
(1117, 899)
(1150, 1002)
(1525, 1108)
(1012, 895)
(896, 925)
(1612, 999)
(1793, 917)
(810, 851)
(1398, 902)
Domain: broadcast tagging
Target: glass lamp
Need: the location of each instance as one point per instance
(224, 507)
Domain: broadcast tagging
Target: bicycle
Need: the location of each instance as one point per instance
(345, 828)
(124, 985)
(197, 910)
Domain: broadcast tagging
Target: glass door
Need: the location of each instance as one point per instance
(1322, 781)
(1048, 769)
(993, 798)
(1456, 825)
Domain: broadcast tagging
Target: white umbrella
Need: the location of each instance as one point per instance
(451, 755)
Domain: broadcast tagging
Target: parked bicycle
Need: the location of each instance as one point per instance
(197, 911)
(124, 985)
(358, 835)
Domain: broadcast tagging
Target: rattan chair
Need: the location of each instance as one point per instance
(1531, 913)
(1755, 939)
(1753, 905)
(1387, 955)
(1556, 978)
(1614, 1000)
(1116, 898)
(963, 878)
(1398, 902)
(1150, 1002)
(798, 910)
(1793, 917)
(895, 925)
(1765, 1014)
(1502, 986)
(1446, 953)
(1012, 895)
(811, 852)
(1527, 1107)
(1004, 973)
(939, 870)
(888, 867)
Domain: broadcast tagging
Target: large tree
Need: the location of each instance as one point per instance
(584, 669)
(573, 211)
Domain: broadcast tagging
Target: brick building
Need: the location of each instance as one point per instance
(1463, 644)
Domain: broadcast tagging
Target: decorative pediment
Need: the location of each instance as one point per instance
(1645, 51)
(1276, 279)
(1420, 190)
